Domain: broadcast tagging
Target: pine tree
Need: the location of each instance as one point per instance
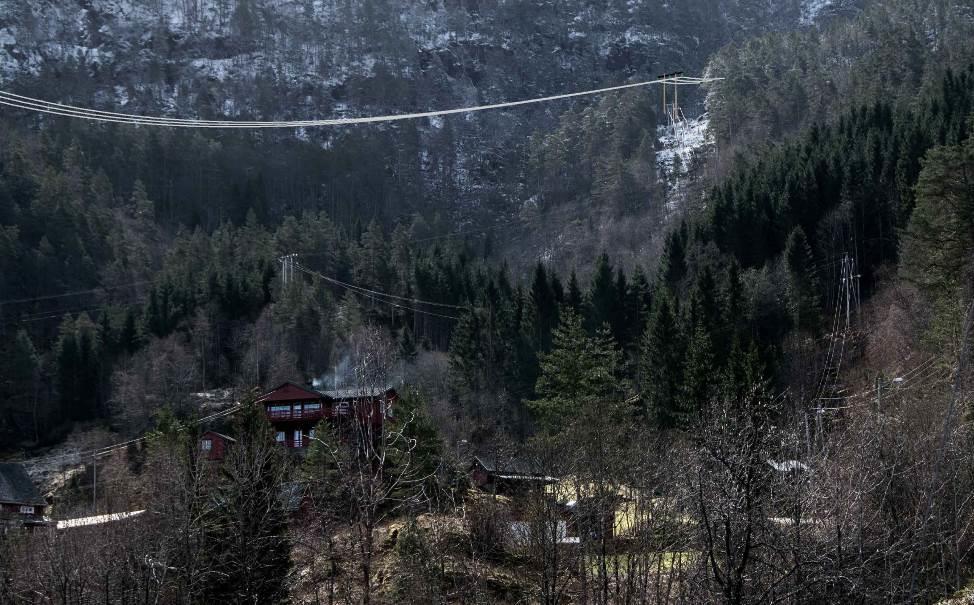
(639, 300)
(660, 365)
(20, 366)
(545, 307)
(743, 373)
(704, 308)
(407, 345)
(940, 235)
(247, 545)
(803, 285)
(620, 320)
(602, 298)
(129, 338)
(580, 371)
(68, 361)
(673, 265)
(733, 306)
(574, 298)
(372, 266)
(466, 354)
(698, 386)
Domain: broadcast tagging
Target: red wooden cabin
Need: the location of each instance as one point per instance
(295, 410)
(20, 502)
(214, 445)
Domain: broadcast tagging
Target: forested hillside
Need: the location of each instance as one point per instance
(723, 361)
(101, 211)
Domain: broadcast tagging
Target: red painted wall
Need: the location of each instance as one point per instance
(218, 446)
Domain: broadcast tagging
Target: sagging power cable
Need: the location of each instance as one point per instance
(17, 101)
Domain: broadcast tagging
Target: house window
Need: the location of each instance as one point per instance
(279, 437)
(297, 438)
(206, 445)
(312, 407)
(280, 410)
(27, 510)
(311, 434)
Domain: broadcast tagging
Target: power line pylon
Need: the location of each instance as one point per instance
(287, 268)
(676, 119)
(831, 393)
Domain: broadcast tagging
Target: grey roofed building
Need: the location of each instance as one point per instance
(788, 466)
(356, 392)
(510, 467)
(507, 474)
(16, 487)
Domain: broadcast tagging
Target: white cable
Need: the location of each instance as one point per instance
(376, 296)
(108, 449)
(74, 293)
(39, 105)
(376, 292)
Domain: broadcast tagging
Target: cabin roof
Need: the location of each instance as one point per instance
(511, 467)
(16, 486)
(220, 435)
(788, 466)
(356, 392)
(290, 391)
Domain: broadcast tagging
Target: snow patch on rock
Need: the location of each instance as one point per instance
(812, 9)
(681, 143)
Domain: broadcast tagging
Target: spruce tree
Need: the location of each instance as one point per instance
(803, 285)
(466, 354)
(673, 266)
(602, 299)
(940, 235)
(581, 370)
(247, 545)
(574, 298)
(545, 307)
(698, 385)
(639, 300)
(660, 365)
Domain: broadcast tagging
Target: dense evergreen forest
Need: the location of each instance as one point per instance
(767, 369)
(759, 264)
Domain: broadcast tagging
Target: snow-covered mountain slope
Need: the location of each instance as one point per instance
(203, 55)
(275, 59)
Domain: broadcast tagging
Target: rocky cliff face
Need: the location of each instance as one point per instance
(272, 59)
(205, 55)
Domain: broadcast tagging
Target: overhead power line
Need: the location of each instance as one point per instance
(74, 293)
(381, 297)
(17, 101)
(108, 449)
(365, 290)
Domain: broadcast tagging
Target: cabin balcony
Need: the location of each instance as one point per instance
(294, 440)
(296, 413)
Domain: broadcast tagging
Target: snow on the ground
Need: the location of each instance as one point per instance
(681, 143)
(57, 466)
(812, 9)
(214, 400)
(680, 146)
(97, 519)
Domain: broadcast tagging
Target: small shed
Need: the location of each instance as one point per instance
(20, 502)
(214, 445)
(509, 475)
